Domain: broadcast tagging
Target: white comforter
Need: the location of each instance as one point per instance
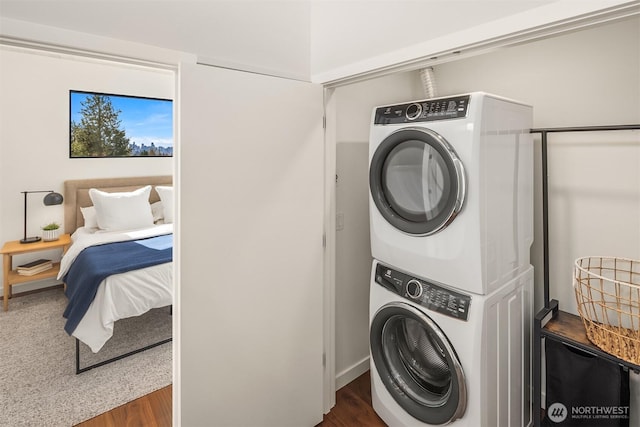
(120, 295)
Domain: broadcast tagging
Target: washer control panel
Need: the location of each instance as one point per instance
(427, 294)
(423, 111)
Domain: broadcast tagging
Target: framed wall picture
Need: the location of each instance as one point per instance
(108, 125)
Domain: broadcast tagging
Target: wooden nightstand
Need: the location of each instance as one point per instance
(11, 277)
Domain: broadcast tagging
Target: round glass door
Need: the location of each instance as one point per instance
(417, 181)
(417, 364)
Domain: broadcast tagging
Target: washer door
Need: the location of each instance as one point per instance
(417, 181)
(417, 364)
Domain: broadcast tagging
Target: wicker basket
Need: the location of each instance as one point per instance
(608, 294)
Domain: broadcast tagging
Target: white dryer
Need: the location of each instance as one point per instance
(440, 356)
(451, 189)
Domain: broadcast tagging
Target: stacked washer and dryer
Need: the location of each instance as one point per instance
(451, 216)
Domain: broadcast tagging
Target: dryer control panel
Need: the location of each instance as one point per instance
(427, 294)
(423, 111)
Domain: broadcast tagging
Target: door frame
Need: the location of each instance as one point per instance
(329, 291)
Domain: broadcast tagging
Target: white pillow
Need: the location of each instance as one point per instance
(166, 196)
(156, 211)
(122, 211)
(89, 215)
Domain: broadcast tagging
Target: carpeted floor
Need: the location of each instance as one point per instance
(38, 384)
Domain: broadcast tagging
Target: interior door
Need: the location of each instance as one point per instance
(250, 254)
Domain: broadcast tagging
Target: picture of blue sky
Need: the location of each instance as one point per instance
(144, 120)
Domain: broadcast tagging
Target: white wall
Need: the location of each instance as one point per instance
(34, 132)
(354, 105)
(590, 77)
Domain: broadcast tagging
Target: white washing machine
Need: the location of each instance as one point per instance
(442, 356)
(451, 189)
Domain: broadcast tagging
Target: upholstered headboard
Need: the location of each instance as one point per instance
(76, 194)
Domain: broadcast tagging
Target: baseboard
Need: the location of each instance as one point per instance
(354, 371)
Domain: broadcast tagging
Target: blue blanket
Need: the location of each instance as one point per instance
(96, 263)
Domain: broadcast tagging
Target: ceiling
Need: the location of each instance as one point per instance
(272, 32)
(283, 37)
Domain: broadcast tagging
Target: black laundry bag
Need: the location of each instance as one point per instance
(583, 389)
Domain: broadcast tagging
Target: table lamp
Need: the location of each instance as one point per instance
(52, 198)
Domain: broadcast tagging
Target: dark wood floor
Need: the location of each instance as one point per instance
(353, 409)
(152, 410)
(353, 406)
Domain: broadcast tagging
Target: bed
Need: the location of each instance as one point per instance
(106, 218)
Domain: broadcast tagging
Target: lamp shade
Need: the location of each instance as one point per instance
(53, 198)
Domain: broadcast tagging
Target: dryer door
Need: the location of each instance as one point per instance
(417, 181)
(417, 364)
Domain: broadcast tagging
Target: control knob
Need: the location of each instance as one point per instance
(414, 288)
(414, 111)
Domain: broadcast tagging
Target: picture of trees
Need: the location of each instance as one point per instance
(103, 125)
